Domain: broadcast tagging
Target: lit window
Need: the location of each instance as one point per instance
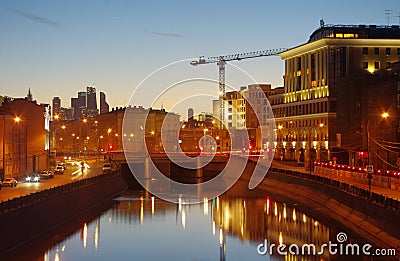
(348, 35)
(339, 35)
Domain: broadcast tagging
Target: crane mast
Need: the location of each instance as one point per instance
(221, 61)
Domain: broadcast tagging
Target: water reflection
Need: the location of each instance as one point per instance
(141, 227)
(251, 220)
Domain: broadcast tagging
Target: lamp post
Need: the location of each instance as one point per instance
(384, 115)
(108, 139)
(17, 121)
(55, 138)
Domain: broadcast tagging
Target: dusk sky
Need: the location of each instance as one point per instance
(57, 48)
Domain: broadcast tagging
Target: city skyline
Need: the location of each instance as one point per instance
(57, 49)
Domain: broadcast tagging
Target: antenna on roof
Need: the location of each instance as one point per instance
(388, 13)
(398, 16)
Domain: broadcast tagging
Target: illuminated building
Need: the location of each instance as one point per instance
(243, 107)
(335, 87)
(79, 105)
(91, 102)
(56, 107)
(198, 126)
(28, 150)
(106, 133)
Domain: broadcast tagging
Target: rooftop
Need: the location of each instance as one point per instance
(356, 31)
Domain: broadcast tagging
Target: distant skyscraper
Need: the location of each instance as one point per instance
(104, 107)
(67, 113)
(79, 105)
(190, 114)
(56, 106)
(91, 102)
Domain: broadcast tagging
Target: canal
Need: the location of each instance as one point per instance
(137, 226)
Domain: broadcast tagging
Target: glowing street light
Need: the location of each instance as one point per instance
(17, 119)
(385, 115)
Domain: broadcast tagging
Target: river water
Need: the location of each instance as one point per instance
(137, 226)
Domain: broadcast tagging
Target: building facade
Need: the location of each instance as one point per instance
(56, 107)
(79, 105)
(104, 107)
(248, 110)
(91, 102)
(336, 87)
(13, 150)
(125, 128)
(29, 129)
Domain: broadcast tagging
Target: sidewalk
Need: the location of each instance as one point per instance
(387, 192)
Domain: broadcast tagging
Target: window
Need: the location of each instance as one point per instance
(376, 65)
(388, 64)
(376, 51)
(299, 64)
(365, 50)
(387, 51)
(365, 65)
(398, 51)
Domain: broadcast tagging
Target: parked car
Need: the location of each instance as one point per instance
(59, 170)
(106, 167)
(46, 174)
(9, 182)
(32, 177)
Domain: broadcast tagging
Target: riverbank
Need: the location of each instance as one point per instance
(376, 224)
(41, 214)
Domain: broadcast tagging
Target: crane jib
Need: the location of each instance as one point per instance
(237, 56)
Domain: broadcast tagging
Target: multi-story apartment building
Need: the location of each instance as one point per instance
(25, 136)
(337, 87)
(124, 128)
(248, 110)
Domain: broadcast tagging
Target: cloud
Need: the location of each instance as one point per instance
(36, 18)
(163, 34)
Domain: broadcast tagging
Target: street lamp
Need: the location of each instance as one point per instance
(385, 115)
(17, 121)
(108, 138)
(63, 127)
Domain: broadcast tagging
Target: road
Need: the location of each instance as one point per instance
(72, 173)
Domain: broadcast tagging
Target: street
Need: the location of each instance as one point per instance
(72, 173)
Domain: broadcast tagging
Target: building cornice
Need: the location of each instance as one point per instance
(327, 42)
